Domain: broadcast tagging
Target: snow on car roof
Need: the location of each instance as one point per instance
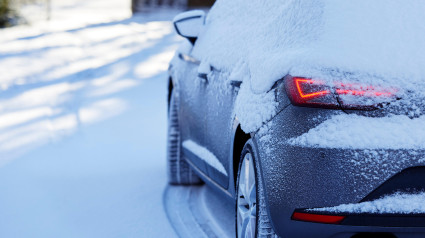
(381, 41)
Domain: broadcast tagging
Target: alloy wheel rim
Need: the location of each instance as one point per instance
(247, 199)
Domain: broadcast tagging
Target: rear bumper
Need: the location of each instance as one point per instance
(308, 177)
(308, 230)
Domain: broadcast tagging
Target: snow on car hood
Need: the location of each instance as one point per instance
(399, 203)
(381, 39)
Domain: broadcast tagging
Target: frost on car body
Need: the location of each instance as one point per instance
(324, 98)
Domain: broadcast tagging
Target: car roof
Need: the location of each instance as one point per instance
(367, 40)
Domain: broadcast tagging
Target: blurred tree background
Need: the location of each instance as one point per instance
(5, 13)
(142, 5)
(200, 3)
(13, 12)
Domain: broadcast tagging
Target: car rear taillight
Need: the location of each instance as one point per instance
(309, 217)
(307, 92)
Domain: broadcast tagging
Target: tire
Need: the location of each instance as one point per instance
(179, 171)
(252, 219)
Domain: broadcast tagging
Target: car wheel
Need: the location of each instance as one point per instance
(252, 220)
(179, 171)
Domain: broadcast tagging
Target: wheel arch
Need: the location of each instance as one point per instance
(239, 140)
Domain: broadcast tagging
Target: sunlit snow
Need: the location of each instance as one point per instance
(83, 122)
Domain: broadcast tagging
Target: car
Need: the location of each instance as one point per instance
(308, 114)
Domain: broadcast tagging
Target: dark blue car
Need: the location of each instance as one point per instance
(297, 111)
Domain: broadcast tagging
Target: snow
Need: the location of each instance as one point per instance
(359, 132)
(83, 101)
(399, 203)
(83, 122)
(379, 42)
(204, 154)
(252, 110)
(204, 68)
(199, 212)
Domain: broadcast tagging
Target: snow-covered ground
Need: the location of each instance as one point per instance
(82, 123)
(199, 212)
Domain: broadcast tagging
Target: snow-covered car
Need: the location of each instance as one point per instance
(309, 114)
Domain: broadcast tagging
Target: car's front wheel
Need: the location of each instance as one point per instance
(252, 220)
(179, 171)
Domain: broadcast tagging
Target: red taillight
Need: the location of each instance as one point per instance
(363, 91)
(310, 93)
(328, 219)
(308, 88)
(317, 93)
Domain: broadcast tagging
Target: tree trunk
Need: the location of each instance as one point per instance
(134, 6)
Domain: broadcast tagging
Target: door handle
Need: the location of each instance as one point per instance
(204, 70)
(203, 76)
(235, 83)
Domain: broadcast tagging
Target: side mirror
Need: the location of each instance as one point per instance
(189, 24)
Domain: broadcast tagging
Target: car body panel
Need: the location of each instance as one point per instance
(191, 91)
(220, 101)
(307, 177)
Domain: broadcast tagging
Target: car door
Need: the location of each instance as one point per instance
(192, 111)
(221, 95)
